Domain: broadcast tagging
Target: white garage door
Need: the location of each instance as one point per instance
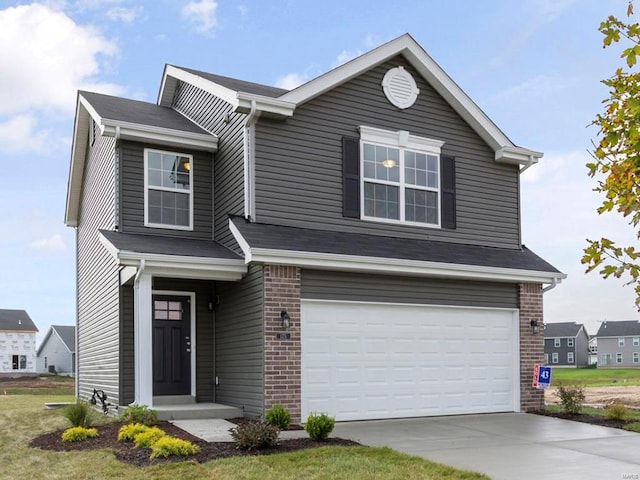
(373, 360)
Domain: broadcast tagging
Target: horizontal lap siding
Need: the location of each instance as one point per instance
(299, 164)
(132, 193)
(216, 116)
(327, 285)
(97, 276)
(240, 343)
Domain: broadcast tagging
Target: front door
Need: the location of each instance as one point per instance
(171, 345)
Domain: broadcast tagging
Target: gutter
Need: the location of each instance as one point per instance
(554, 284)
(249, 164)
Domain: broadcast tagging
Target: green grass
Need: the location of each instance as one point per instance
(24, 417)
(596, 377)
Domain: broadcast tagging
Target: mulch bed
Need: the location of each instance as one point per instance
(585, 418)
(127, 453)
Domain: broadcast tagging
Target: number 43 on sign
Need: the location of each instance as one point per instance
(541, 376)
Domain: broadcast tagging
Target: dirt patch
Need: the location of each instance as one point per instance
(603, 396)
(127, 453)
(35, 382)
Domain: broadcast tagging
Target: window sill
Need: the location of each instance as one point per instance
(400, 222)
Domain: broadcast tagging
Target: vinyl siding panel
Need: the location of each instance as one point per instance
(98, 354)
(240, 343)
(132, 194)
(299, 171)
(57, 355)
(346, 286)
(610, 345)
(217, 117)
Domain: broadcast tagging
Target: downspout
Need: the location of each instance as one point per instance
(530, 162)
(554, 284)
(249, 168)
(136, 338)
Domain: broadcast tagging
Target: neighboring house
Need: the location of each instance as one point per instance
(593, 350)
(619, 344)
(17, 343)
(57, 352)
(566, 344)
(351, 246)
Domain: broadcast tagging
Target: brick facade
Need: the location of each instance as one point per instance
(282, 357)
(531, 344)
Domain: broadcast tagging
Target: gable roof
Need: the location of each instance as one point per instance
(66, 333)
(622, 328)
(562, 329)
(16, 320)
(245, 96)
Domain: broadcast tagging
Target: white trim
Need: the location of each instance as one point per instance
(274, 106)
(165, 97)
(143, 342)
(398, 78)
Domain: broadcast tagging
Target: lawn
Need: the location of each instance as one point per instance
(25, 417)
(596, 377)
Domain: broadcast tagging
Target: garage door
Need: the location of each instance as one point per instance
(372, 360)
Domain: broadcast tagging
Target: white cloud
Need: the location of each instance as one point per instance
(52, 243)
(201, 14)
(243, 9)
(123, 14)
(20, 134)
(291, 81)
(345, 56)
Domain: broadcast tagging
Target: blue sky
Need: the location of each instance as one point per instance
(534, 66)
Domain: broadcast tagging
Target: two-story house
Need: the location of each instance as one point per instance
(351, 246)
(17, 343)
(619, 344)
(566, 344)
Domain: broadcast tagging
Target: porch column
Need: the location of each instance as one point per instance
(531, 345)
(143, 340)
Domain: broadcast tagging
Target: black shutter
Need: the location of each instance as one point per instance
(351, 177)
(448, 191)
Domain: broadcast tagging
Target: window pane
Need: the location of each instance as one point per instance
(155, 177)
(421, 206)
(381, 201)
(421, 169)
(381, 163)
(155, 160)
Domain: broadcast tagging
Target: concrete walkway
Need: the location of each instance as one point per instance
(509, 446)
(217, 429)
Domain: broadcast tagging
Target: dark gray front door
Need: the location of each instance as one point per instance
(171, 345)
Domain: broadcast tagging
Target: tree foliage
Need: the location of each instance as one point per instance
(616, 157)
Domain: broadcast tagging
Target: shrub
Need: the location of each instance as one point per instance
(279, 416)
(149, 437)
(617, 411)
(76, 434)
(167, 446)
(80, 414)
(633, 427)
(139, 414)
(319, 426)
(571, 398)
(255, 435)
(128, 432)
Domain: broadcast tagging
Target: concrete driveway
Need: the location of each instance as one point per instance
(508, 445)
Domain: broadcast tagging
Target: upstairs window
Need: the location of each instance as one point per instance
(168, 183)
(556, 342)
(621, 342)
(569, 342)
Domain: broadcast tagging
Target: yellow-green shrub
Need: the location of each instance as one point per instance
(76, 434)
(617, 411)
(128, 432)
(148, 437)
(167, 446)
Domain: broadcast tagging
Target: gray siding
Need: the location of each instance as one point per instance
(215, 116)
(610, 345)
(97, 277)
(327, 285)
(56, 354)
(240, 343)
(132, 193)
(127, 346)
(299, 172)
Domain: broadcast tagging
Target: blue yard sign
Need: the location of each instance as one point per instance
(541, 376)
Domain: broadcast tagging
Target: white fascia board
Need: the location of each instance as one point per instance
(517, 156)
(76, 166)
(226, 94)
(166, 136)
(244, 246)
(264, 104)
(401, 266)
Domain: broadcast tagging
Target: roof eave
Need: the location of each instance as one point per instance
(159, 135)
(76, 166)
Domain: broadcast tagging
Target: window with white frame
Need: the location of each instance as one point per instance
(569, 342)
(569, 357)
(621, 342)
(400, 177)
(605, 358)
(618, 357)
(556, 342)
(168, 183)
(546, 358)
(636, 357)
(636, 341)
(554, 357)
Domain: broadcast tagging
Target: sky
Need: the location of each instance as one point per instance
(533, 66)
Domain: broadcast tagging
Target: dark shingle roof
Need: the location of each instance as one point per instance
(623, 328)
(307, 240)
(141, 113)
(561, 329)
(16, 320)
(239, 85)
(168, 246)
(68, 335)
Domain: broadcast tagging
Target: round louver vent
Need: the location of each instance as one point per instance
(400, 88)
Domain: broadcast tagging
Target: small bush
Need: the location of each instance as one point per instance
(571, 398)
(633, 427)
(147, 438)
(279, 416)
(80, 414)
(167, 446)
(255, 435)
(617, 411)
(76, 434)
(128, 432)
(139, 414)
(319, 426)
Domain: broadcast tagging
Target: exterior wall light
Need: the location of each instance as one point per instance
(285, 319)
(534, 326)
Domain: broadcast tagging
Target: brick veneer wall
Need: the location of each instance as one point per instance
(531, 344)
(282, 358)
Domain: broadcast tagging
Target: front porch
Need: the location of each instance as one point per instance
(184, 407)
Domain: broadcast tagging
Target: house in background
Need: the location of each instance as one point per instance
(57, 352)
(17, 343)
(593, 350)
(351, 246)
(619, 344)
(566, 344)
